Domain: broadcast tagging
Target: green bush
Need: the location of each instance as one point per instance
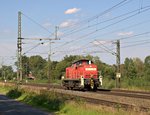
(141, 83)
(14, 93)
(108, 83)
(45, 99)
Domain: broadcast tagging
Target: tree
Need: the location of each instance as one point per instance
(147, 65)
(139, 65)
(37, 66)
(25, 66)
(130, 69)
(53, 70)
(62, 65)
(7, 72)
(98, 62)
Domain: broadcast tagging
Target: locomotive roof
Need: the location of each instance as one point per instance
(82, 60)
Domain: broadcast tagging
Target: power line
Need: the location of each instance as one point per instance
(89, 26)
(143, 10)
(130, 26)
(108, 50)
(136, 41)
(123, 2)
(90, 34)
(122, 19)
(104, 12)
(33, 47)
(140, 4)
(105, 48)
(147, 41)
(143, 41)
(144, 33)
(136, 44)
(39, 52)
(85, 46)
(37, 23)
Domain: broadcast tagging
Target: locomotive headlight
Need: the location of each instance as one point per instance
(82, 81)
(90, 69)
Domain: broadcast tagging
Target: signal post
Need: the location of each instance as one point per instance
(118, 74)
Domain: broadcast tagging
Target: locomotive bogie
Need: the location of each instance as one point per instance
(90, 84)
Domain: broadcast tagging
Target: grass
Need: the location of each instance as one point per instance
(108, 83)
(50, 102)
(73, 108)
(60, 105)
(142, 84)
(136, 83)
(47, 100)
(44, 81)
(4, 90)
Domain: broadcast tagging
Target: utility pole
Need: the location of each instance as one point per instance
(19, 55)
(19, 51)
(56, 29)
(49, 55)
(118, 74)
(3, 69)
(49, 61)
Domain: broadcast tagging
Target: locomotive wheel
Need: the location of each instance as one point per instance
(95, 87)
(92, 84)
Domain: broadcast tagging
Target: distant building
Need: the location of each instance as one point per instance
(30, 76)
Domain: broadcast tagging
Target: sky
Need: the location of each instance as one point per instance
(83, 27)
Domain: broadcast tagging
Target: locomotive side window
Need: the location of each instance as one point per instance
(79, 63)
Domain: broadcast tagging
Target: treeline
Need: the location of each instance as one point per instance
(136, 73)
(136, 67)
(39, 66)
(131, 69)
(6, 72)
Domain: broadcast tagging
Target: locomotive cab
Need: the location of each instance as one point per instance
(82, 74)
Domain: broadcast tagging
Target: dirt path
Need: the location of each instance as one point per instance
(13, 107)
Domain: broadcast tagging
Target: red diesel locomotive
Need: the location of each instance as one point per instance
(82, 74)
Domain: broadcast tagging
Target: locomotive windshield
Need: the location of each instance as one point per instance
(83, 62)
(89, 62)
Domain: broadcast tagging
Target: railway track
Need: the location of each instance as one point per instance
(126, 93)
(129, 91)
(125, 99)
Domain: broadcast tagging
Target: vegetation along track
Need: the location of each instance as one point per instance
(109, 98)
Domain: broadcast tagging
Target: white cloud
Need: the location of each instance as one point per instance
(67, 23)
(101, 42)
(47, 25)
(6, 32)
(72, 11)
(125, 33)
(59, 33)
